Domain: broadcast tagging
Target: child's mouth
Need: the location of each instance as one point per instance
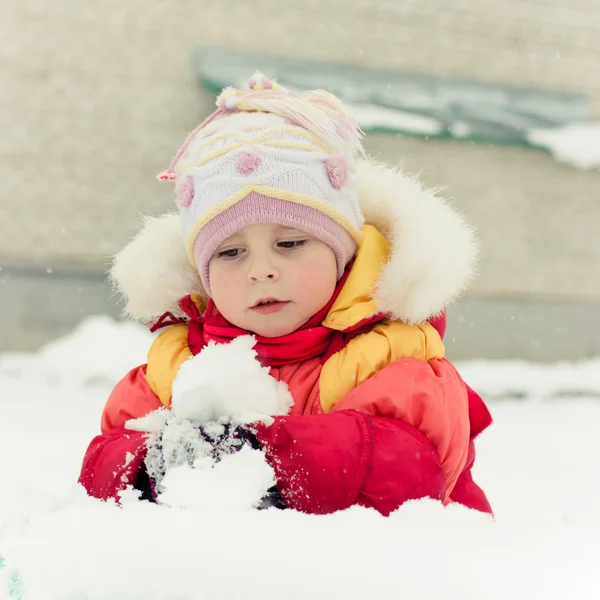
(269, 306)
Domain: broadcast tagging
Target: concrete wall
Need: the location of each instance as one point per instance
(96, 97)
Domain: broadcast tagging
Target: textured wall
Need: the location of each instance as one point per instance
(95, 98)
(537, 220)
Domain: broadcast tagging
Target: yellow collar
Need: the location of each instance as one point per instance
(355, 302)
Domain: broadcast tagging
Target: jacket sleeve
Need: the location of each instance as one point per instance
(325, 463)
(402, 434)
(115, 459)
(466, 491)
(430, 396)
(112, 462)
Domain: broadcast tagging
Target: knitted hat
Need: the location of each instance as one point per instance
(268, 155)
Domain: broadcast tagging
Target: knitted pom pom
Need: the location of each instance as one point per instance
(259, 82)
(247, 163)
(337, 170)
(228, 99)
(184, 191)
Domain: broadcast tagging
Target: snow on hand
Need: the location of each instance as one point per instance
(223, 385)
(186, 473)
(239, 481)
(538, 463)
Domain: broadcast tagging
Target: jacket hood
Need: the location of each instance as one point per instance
(431, 258)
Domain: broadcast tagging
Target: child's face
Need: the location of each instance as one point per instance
(271, 262)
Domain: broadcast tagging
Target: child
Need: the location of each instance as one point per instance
(342, 270)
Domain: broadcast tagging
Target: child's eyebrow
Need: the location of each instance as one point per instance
(235, 239)
(283, 229)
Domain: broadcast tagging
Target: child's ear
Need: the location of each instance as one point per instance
(153, 272)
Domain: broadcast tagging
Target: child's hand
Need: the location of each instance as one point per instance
(225, 383)
(185, 459)
(227, 439)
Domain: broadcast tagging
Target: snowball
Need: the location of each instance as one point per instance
(225, 382)
(238, 481)
(189, 471)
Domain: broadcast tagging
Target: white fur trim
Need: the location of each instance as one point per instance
(153, 273)
(432, 257)
(433, 249)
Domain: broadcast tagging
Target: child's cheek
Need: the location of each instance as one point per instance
(225, 288)
(315, 277)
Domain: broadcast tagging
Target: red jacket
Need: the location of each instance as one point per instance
(323, 462)
(379, 416)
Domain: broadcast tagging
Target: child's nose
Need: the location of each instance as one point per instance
(262, 271)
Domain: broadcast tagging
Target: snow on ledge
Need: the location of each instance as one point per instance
(577, 144)
(370, 116)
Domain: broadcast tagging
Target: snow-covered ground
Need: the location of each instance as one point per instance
(538, 464)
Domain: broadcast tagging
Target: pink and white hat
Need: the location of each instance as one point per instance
(268, 155)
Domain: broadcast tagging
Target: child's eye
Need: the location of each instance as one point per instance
(292, 244)
(231, 253)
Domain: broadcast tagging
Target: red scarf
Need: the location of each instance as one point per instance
(309, 341)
